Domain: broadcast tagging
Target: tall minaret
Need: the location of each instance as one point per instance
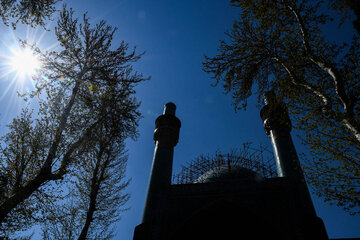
(277, 126)
(166, 136)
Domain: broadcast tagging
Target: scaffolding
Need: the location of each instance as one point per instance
(260, 160)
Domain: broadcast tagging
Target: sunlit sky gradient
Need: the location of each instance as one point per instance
(175, 36)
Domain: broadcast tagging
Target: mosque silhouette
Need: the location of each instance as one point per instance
(234, 204)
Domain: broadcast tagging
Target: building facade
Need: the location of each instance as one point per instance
(240, 207)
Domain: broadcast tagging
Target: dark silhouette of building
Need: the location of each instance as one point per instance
(235, 204)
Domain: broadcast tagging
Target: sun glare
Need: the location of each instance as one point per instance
(24, 62)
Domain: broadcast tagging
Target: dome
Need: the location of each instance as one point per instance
(228, 173)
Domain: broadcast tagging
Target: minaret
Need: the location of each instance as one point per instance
(166, 136)
(277, 126)
(274, 208)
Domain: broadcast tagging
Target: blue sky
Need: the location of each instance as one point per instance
(175, 36)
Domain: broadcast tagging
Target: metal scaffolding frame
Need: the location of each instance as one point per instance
(260, 160)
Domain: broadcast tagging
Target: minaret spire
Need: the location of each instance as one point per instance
(166, 136)
(277, 126)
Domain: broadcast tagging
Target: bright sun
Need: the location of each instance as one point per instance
(24, 62)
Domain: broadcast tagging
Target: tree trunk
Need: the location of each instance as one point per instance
(92, 206)
(85, 229)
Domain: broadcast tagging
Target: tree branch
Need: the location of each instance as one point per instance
(52, 152)
(339, 84)
(325, 99)
(67, 157)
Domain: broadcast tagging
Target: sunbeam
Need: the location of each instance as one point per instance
(24, 63)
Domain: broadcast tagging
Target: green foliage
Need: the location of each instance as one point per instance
(86, 106)
(334, 171)
(279, 45)
(21, 159)
(95, 197)
(30, 12)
